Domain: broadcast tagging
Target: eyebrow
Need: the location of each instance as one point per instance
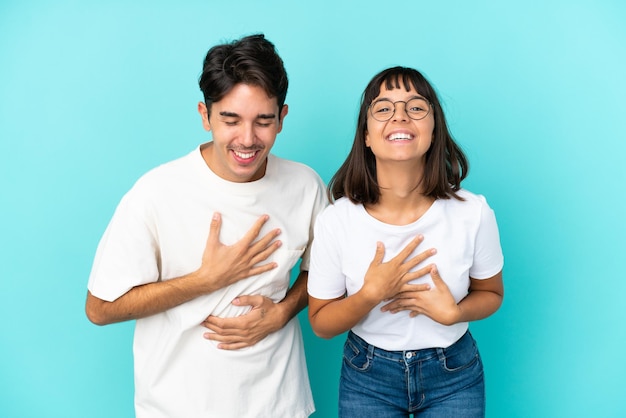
(259, 116)
(410, 98)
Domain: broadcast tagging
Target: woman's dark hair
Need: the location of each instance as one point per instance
(445, 167)
(251, 60)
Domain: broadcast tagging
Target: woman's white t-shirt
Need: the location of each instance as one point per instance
(464, 233)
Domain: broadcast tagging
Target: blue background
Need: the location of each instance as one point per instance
(93, 94)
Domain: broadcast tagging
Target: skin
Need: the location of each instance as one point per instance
(401, 203)
(244, 125)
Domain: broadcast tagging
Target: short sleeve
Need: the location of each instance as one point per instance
(488, 257)
(319, 204)
(326, 279)
(127, 255)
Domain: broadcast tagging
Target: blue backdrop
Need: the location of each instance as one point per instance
(93, 94)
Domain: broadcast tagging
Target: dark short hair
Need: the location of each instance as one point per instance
(251, 60)
(445, 167)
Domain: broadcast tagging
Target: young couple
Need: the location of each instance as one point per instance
(200, 250)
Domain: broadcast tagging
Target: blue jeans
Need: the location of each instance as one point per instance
(433, 383)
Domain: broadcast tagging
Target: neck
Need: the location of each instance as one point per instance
(401, 199)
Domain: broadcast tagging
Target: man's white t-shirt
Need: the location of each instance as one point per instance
(159, 232)
(464, 233)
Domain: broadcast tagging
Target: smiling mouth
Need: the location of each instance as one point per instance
(244, 155)
(399, 137)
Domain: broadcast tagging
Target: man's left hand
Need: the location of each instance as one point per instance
(246, 330)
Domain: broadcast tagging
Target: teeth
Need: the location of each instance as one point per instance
(398, 137)
(244, 155)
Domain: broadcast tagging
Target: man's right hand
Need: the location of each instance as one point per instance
(223, 265)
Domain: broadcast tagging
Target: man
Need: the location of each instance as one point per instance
(216, 333)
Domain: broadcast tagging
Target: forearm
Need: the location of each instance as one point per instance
(330, 318)
(479, 305)
(484, 299)
(144, 300)
(296, 298)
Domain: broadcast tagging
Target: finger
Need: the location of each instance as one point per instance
(235, 346)
(225, 341)
(248, 300)
(214, 324)
(421, 257)
(434, 273)
(395, 307)
(380, 253)
(214, 229)
(388, 306)
(410, 247)
(225, 326)
(413, 288)
(263, 254)
(417, 273)
(261, 269)
(265, 242)
(254, 232)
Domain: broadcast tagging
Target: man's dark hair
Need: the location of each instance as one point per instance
(251, 60)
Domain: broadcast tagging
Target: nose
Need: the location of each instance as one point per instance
(400, 114)
(247, 136)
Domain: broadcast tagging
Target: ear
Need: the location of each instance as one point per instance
(204, 114)
(367, 139)
(283, 113)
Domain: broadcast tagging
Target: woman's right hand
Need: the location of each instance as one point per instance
(383, 281)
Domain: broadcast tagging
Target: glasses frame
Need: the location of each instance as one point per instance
(430, 107)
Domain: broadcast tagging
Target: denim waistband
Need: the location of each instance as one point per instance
(413, 355)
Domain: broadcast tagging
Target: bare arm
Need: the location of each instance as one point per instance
(382, 281)
(221, 266)
(265, 317)
(484, 299)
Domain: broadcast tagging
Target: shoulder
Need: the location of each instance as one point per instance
(469, 199)
(340, 210)
(290, 167)
(472, 208)
(161, 177)
(292, 175)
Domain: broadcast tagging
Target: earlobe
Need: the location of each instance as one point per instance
(204, 115)
(283, 113)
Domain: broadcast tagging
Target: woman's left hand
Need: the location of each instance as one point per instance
(437, 303)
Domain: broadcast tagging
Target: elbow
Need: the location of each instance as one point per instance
(325, 336)
(322, 333)
(95, 317)
(95, 312)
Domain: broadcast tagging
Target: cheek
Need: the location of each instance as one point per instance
(267, 136)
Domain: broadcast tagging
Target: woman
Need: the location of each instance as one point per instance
(408, 349)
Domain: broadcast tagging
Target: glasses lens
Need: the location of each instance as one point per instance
(382, 110)
(417, 108)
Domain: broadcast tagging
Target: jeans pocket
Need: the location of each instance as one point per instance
(356, 357)
(460, 355)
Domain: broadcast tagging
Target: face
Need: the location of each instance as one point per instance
(244, 126)
(399, 138)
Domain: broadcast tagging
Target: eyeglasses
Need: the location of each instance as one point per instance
(416, 109)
